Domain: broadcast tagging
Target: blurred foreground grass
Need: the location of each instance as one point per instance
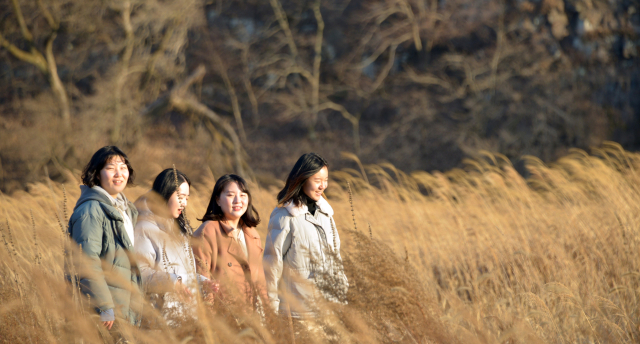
(479, 255)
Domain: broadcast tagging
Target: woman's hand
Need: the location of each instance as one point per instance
(107, 318)
(182, 291)
(210, 289)
(108, 324)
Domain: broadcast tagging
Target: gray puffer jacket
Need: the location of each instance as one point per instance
(302, 259)
(109, 274)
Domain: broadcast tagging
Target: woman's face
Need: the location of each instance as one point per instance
(314, 186)
(178, 201)
(233, 201)
(114, 176)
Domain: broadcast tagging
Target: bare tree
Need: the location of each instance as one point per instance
(141, 72)
(180, 99)
(102, 70)
(43, 58)
(313, 101)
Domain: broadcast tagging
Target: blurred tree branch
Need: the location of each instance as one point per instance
(317, 60)
(284, 25)
(26, 34)
(311, 102)
(151, 64)
(180, 99)
(46, 62)
(247, 84)
(415, 29)
(235, 105)
(33, 57)
(124, 71)
(499, 42)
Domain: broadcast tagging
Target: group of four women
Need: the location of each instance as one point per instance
(149, 248)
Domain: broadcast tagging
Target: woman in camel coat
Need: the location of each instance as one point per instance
(228, 248)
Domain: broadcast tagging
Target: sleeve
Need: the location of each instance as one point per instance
(87, 231)
(107, 315)
(205, 251)
(338, 255)
(153, 279)
(344, 286)
(337, 235)
(277, 243)
(261, 283)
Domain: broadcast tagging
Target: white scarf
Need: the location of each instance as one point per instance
(122, 205)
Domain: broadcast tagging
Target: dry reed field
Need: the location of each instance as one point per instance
(480, 255)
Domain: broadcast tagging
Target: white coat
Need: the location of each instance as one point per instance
(165, 256)
(302, 259)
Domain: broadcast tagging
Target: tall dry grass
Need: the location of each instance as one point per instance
(479, 255)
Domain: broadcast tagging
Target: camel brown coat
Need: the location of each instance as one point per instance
(220, 257)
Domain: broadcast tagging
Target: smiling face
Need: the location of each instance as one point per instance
(178, 201)
(114, 176)
(233, 202)
(314, 186)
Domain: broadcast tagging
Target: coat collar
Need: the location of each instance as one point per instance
(252, 240)
(93, 194)
(146, 214)
(227, 228)
(322, 204)
(249, 232)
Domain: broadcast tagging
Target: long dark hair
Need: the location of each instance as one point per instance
(250, 218)
(91, 172)
(165, 184)
(306, 166)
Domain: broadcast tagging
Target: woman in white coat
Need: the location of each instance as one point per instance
(302, 251)
(162, 239)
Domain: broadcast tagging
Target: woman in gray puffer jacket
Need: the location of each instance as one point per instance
(102, 224)
(302, 251)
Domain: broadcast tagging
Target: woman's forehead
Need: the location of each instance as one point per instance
(323, 173)
(184, 188)
(234, 186)
(116, 159)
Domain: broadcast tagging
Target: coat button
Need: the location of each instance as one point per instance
(229, 264)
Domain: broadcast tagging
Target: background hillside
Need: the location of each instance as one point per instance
(247, 86)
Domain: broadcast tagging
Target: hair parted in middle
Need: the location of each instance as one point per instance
(306, 166)
(250, 218)
(165, 185)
